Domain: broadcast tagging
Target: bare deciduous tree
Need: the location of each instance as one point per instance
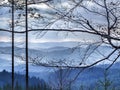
(100, 18)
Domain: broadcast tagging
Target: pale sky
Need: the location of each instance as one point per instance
(49, 36)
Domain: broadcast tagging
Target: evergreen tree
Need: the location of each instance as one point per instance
(17, 86)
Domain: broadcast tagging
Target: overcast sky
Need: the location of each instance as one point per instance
(49, 36)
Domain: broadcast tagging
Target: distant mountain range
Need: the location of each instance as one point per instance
(57, 55)
(58, 52)
(89, 78)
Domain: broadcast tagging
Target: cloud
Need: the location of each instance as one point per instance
(4, 39)
(51, 37)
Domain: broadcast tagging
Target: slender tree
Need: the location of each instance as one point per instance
(26, 27)
(12, 44)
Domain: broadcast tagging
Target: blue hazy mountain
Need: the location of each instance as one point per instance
(89, 78)
(70, 55)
